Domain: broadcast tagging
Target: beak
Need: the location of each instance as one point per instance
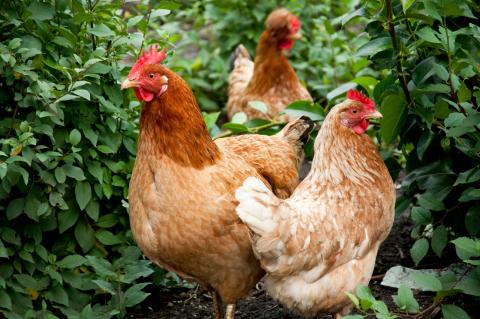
(374, 115)
(129, 84)
(296, 36)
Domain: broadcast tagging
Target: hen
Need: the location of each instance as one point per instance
(271, 79)
(323, 240)
(181, 194)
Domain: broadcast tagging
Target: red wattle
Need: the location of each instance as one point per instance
(145, 95)
(361, 127)
(285, 44)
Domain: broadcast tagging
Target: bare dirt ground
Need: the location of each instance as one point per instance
(194, 303)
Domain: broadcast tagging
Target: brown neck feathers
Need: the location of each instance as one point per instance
(171, 125)
(271, 67)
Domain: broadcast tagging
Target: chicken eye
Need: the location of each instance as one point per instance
(151, 75)
(354, 111)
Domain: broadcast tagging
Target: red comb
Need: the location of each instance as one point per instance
(294, 24)
(151, 57)
(360, 97)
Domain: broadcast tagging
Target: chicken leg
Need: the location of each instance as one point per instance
(217, 305)
(230, 312)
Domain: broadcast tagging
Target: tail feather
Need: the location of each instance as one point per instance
(298, 130)
(240, 52)
(256, 206)
(240, 75)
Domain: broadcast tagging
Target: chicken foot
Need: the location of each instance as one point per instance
(230, 312)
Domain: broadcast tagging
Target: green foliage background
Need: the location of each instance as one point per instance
(68, 133)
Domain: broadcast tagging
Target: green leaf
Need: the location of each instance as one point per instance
(58, 295)
(421, 216)
(424, 142)
(41, 11)
(82, 93)
(133, 21)
(105, 149)
(159, 13)
(406, 4)
(405, 299)
(470, 284)
(75, 137)
(428, 282)
(85, 235)
(431, 202)
(105, 286)
(472, 220)
(72, 261)
(419, 250)
(60, 175)
(259, 106)
(354, 300)
(15, 208)
(439, 240)
(101, 266)
(470, 194)
(74, 172)
(235, 127)
(107, 221)
(454, 312)
(301, 108)
(394, 110)
(210, 119)
(239, 118)
(374, 46)
(469, 176)
(427, 34)
(101, 31)
(467, 247)
(83, 194)
(134, 295)
(351, 15)
(5, 301)
(67, 219)
(340, 90)
(93, 209)
(108, 238)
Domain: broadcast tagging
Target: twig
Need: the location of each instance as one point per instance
(253, 130)
(398, 57)
(90, 11)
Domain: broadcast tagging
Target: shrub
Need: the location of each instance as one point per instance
(68, 138)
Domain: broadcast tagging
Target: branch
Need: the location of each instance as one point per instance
(398, 57)
(253, 130)
(90, 11)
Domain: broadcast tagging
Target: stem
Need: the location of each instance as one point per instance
(253, 130)
(398, 56)
(145, 33)
(90, 11)
(13, 120)
(449, 56)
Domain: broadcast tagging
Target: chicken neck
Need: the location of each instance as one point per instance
(341, 155)
(171, 125)
(271, 68)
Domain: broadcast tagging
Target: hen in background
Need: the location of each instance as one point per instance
(271, 79)
(323, 240)
(181, 195)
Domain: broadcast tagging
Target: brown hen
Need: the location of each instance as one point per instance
(271, 79)
(181, 195)
(322, 241)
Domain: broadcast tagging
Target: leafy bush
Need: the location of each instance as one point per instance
(429, 97)
(323, 59)
(68, 138)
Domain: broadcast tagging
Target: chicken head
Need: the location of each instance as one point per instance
(356, 112)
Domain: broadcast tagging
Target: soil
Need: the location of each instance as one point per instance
(194, 303)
